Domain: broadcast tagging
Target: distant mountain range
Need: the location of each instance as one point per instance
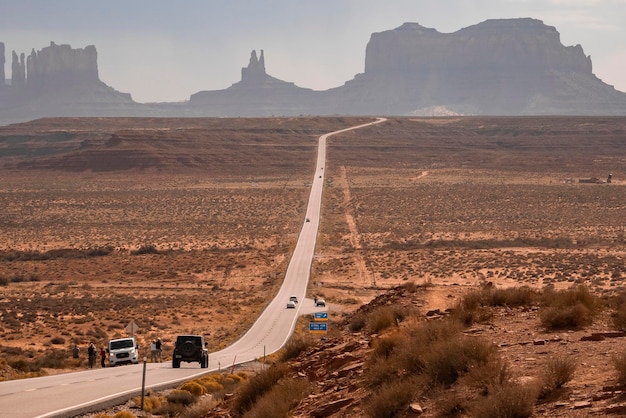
(497, 67)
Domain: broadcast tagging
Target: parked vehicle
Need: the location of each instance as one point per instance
(123, 351)
(190, 348)
(320, 302)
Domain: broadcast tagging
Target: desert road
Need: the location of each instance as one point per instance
(69, 394)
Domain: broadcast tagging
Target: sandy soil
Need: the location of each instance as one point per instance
(187, 225)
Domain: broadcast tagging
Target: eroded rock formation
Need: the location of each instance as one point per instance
(60, 66)
(2, 61)
(497, 67)
(506, 66)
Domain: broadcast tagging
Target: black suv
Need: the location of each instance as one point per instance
(190, 348)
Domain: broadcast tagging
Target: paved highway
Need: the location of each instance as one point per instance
(69, 394)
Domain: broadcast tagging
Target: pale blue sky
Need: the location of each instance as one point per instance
(161, 50)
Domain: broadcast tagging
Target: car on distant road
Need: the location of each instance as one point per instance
(293, 299)
(320, 302)
(291, 305)
(308, 220)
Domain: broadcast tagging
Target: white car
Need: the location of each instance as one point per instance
(293, 299)
(291, 305)
(320, 302)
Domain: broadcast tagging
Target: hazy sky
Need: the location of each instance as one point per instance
(161, 50)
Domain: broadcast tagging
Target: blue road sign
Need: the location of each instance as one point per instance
(318, 327)
(320, 316)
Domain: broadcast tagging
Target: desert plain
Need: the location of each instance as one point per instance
(186, 225)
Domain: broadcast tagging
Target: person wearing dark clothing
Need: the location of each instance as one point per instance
(103, 356)
(91, 351)
(158, 350)
(75, 351)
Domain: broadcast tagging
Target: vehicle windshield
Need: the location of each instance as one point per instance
(116, 345)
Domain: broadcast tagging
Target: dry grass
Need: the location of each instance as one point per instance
(210, 209)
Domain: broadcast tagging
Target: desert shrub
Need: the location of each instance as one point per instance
(171, 410)
(445, 361)
(419, 338)
(619, 311)
(150, 402)
(619, 318)
(508, 401)
(180, 397)
(124, 414)
(451, 404)
(383, 318)
(556, 372)
(380, 371)
(570, 297)
(256, 387)
(566, 317)
(199, 409)
(57, 340)
(569, 309)
(145, 249)
(410, 287)
(294, 347)
(280, 400)
(210, 384)
(384, 346)
(512, 297)
(357, 322)
(24, 366)
(193, 387)
(486, 376)
(619, 362)
(474, 307)
(435, 351)
(390, 399)
(4, 281)
(99, 251)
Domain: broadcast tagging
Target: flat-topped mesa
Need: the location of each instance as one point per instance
(502, 45)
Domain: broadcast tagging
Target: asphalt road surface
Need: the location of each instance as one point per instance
(69, 394)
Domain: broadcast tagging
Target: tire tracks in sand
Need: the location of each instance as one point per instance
(355, 236)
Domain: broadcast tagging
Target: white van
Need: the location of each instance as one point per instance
(123, 351)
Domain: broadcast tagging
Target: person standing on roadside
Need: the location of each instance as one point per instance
(75, 351)
(158, 350)
(153, 352)
(91, 351)
(103, 356)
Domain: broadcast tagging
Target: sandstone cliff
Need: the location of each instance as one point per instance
(2, 60)
(256, 94)
(497, 67)
(508, 66)
(59, 80)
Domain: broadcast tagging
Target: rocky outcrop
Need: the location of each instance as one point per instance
(504, 67)
(497, 67)
(18, 72)
(2, 60)
(61, 81)
(256, 94)
(60, 66)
